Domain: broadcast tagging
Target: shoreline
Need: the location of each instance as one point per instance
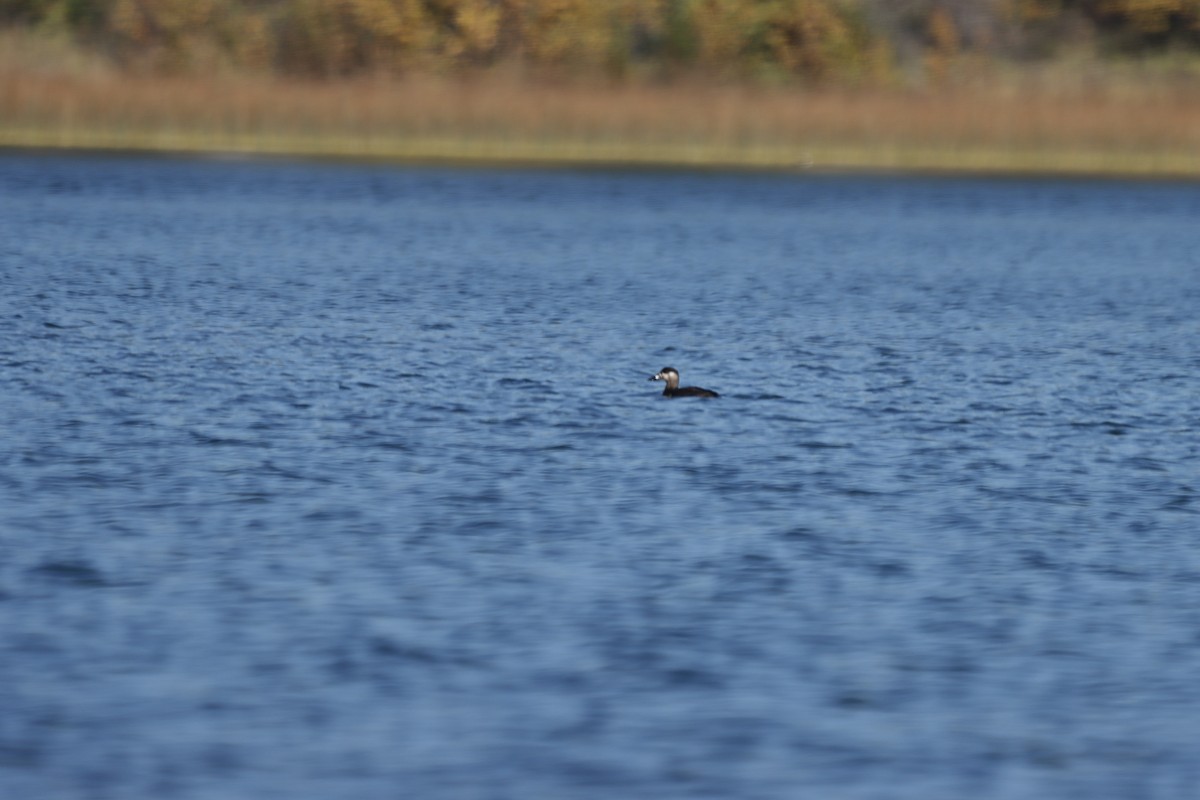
(1151, 132)
(931, 161)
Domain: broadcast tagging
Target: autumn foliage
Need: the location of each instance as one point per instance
(856, 41)
(1083, 86)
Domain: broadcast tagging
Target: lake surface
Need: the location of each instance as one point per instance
(348, 481)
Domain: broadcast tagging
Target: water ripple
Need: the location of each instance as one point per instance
(323, 480)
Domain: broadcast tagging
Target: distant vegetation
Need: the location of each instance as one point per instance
(1109, 86)
(856, 42)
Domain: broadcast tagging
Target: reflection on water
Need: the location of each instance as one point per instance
(329, 480)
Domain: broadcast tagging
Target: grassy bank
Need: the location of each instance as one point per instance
(1118, 127)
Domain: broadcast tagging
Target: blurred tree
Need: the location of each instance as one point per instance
(474, 31)
(725, 31)
(1142, 25)
(811, 38)
(579, 33)
(55, 13)
(169, 35)
(943, 44)
(318, 37)
(679, 33)
(780, 39)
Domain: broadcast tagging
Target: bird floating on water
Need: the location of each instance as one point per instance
(673, 389)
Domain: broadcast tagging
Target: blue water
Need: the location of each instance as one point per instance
(348, 481)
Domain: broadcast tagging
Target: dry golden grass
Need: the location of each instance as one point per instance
(1148, 128)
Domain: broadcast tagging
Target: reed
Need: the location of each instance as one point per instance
(1118, 127)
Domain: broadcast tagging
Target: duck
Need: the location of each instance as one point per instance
(673, 389)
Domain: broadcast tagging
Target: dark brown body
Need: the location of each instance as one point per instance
(689, 391)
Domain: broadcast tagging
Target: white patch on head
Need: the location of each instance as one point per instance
(670, 375)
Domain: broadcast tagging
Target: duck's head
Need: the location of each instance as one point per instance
(668, 374)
